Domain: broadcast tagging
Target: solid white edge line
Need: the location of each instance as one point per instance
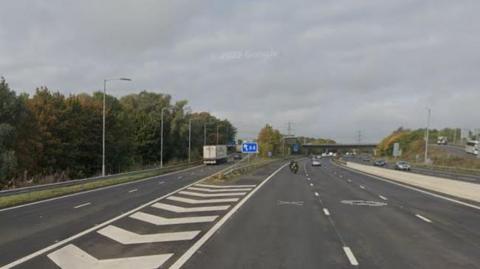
(326, 212)
(383, 197)
(96, 227)
(98, 189)
(189, 253)
(82, 205)
(351, 258)
(423, 218)
(412, 188)
(133, 190)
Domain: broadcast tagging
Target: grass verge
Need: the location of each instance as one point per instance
(23, 198)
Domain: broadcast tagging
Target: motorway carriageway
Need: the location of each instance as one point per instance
(27, 228)
(322, 217)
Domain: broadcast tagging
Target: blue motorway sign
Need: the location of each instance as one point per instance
(250, 147)
(296, 148)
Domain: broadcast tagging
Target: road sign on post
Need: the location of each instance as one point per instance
(249, 147)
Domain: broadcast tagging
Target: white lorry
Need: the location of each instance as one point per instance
(214, 154)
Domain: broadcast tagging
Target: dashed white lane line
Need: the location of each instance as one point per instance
(225, 186)
(203, 201)
(362, 187)
(423, 218)
(157, 220)
(349, 180)
(383, 197)
(133, 190)
(161, 182)
(179, 209)
(199, 194)
(125, 237)
(326, 212)
(218, 190)
(316, 194)
(73, 257)
(82, 205)
(351, 258)
(311, 184)
(308, 178)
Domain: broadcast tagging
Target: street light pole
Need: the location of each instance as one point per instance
(426, 134)
(204, 134)
(217, 134)
(161, 137)
(104, 120)
(189, 138)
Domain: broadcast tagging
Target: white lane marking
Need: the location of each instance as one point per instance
(179, 177)
(161, 182)
(351, 258)
(184, 258)
(133, 190)
(340, 176)
(225, 186)
(349, 180)
(316, 194)
(308, 178)
(326, 212)
(383, 197)
(306, 175)
(157, 220)
(423, 218)
(199, 194)
(179, 209)
(125, 237)
(362, 187)
(218, 190)
(102, 188)
(82, 205)
(72, 257)
(413, 188)
(105, 223)
(311, 184)
(203, 201)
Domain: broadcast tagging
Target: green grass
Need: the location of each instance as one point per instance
(22, 198)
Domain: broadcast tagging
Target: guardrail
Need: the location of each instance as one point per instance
(91, 179)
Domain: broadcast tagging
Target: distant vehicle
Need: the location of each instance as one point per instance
(380, 163)
(366, 159)
(214, 154)
(316, 162)
(442, 140)
(237, 156)
(472, 147)
(330, 154)
(319, 157)
(402, 165)
(324, 154)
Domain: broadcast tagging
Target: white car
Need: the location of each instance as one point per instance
(316, 163)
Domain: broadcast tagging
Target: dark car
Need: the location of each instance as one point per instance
(380, 163)
(403, 166)
(237, 156)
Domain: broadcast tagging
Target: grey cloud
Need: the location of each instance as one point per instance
(338, 66)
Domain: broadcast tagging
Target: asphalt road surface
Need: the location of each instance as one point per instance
(454, 150)
(322, 217)
(26, 229)
(329, 217)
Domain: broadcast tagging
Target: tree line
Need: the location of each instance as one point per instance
(49, 136)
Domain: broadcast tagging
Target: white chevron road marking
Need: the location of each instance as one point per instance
(225, 186)
(218, 190)
(157, 220)
(126, 237)
(204, 201)
(199, 194)
(179, 209)
(72, 257)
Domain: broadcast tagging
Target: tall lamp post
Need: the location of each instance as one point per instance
(103, 129)
(426, 134)
(161, 137)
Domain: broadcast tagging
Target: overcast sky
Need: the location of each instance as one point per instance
(329, 67)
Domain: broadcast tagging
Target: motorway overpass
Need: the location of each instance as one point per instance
(309, 148)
